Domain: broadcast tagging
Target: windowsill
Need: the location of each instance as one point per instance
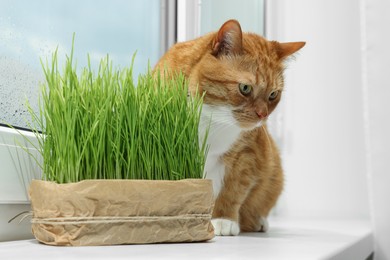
(286, 239)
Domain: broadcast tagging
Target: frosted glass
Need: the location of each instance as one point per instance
(30, 30)
(250, 14)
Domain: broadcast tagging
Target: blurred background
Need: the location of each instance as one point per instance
(334, 116)
(332, 124)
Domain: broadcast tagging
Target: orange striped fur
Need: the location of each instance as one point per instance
(247, 173)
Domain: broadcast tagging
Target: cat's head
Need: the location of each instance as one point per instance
(243, 72)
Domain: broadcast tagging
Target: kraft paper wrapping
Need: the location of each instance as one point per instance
(110, 212)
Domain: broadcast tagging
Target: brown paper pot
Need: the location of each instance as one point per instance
(109, 212)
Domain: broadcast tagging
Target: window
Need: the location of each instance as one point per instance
(30, 30)
(249, 13)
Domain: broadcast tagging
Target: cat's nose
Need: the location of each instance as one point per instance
(262, 114)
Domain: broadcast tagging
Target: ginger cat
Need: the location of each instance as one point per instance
(241, 75)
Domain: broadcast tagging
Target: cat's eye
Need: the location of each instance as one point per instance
(245, 89)
(274, 94)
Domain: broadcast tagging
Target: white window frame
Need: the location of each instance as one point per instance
(188, 20)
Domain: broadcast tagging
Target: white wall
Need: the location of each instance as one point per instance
(376, 68)
(335, 111)
(323, 138)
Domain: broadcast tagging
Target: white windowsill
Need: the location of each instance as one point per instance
(286, 239)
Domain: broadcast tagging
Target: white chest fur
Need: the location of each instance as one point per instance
(223, 132)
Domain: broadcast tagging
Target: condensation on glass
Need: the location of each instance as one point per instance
(32, 30)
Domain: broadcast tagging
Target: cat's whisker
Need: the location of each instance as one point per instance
(268, 138)
(218, 129)
(216, 119)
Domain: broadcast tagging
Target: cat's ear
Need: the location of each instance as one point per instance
(228, 40)
(287, 48)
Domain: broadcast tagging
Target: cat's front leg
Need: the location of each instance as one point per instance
(226, 213)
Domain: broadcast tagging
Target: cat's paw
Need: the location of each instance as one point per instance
(225, 227)
(264, 226)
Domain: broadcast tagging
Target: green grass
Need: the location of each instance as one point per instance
(100, 125)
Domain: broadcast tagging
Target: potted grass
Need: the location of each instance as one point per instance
(121, 160)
